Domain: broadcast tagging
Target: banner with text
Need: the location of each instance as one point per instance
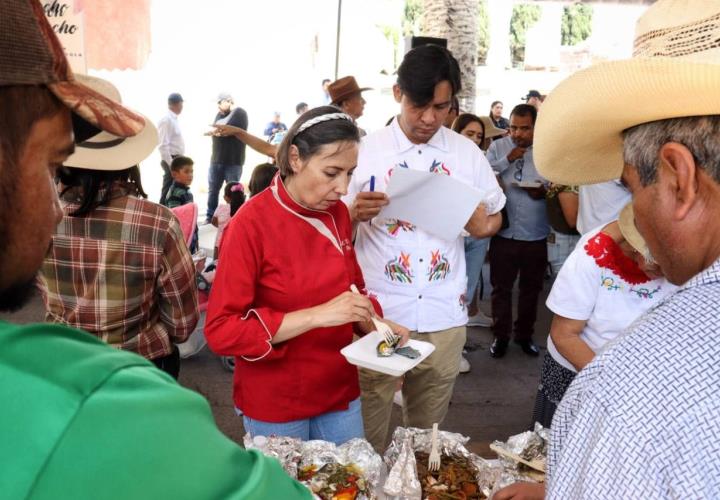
(68, 24)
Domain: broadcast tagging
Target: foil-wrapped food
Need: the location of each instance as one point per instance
(335, 481)
(347, 472)
(285, 449)
(530, 446)
(386, 349)
(457, 478)
(462, 474)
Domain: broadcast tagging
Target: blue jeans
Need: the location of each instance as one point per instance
(218, 174)
(336, 426)
(559, 251)
(475, 251)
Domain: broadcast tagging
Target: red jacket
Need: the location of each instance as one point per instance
(278, 257)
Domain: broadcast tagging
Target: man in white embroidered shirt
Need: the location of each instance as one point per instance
(418, 278)
(171, 140)
(642, 419)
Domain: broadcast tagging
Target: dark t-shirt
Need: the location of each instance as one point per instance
(230, 150)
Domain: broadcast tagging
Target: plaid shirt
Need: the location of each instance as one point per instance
(122, 273)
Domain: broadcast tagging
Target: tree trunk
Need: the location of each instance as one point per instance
(456, 20)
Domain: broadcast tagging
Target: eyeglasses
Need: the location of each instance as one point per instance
(519, 164)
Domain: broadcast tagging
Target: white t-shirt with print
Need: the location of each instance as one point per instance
(585, 291)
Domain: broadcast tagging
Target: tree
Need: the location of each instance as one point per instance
(523, 17)
(392, 35)
(576, 23)
(413, 15)
(456, 21)
(483, 32)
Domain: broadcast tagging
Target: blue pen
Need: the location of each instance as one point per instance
(372, 188)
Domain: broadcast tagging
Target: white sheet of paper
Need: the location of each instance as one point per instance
(433, 202)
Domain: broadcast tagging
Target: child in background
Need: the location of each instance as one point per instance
(179, 193)
(261, 177)
(234, 195)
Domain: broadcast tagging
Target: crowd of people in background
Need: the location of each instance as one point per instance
(626, 236)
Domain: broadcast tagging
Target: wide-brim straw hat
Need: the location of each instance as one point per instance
(490, 129)
(31, 54)
(106, 151)
(344, 88)
(674, 72)
(626, 222)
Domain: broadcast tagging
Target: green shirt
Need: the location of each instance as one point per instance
(82, 420)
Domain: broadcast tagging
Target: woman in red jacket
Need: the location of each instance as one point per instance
(281, 301)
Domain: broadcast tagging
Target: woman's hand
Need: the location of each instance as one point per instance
(348, 307)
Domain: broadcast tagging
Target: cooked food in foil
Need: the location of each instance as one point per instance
(385, 350)
(335, 481)
(408, 352)
(455, 480)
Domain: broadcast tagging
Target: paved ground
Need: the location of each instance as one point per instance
(491, 402)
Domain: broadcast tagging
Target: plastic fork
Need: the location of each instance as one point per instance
(382, 328)
(434, 458)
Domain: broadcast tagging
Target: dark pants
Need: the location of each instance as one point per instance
(508, 258)
(170, 364)
(167, 181)
(216, 176)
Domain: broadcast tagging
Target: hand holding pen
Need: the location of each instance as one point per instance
(367, 204)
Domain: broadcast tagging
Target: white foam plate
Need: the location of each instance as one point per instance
(363, 353)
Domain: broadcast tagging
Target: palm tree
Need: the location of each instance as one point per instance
(456, 20)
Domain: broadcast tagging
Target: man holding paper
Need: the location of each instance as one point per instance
(417, 273)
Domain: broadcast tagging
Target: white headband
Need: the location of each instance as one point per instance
(320, 119)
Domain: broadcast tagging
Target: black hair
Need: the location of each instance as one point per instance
(311, 139)
(455, 104)
(300, 106)
(326, 80)
(261, 178)
(464, 119)
(525, 110)
(492, 106)
(179, 162)
(423, 68)
(237, 197)
(92, 182)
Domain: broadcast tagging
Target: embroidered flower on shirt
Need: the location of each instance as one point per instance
(390, 171)
(439, 267)
(439, 167)
(609, 284)
(394, 226)
(645, 293)
(398, 269)
(608, 255)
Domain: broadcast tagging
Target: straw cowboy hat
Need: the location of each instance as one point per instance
(626, 222)
(674, 72)
(105, 151)
(344, 88)
(490, 129)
